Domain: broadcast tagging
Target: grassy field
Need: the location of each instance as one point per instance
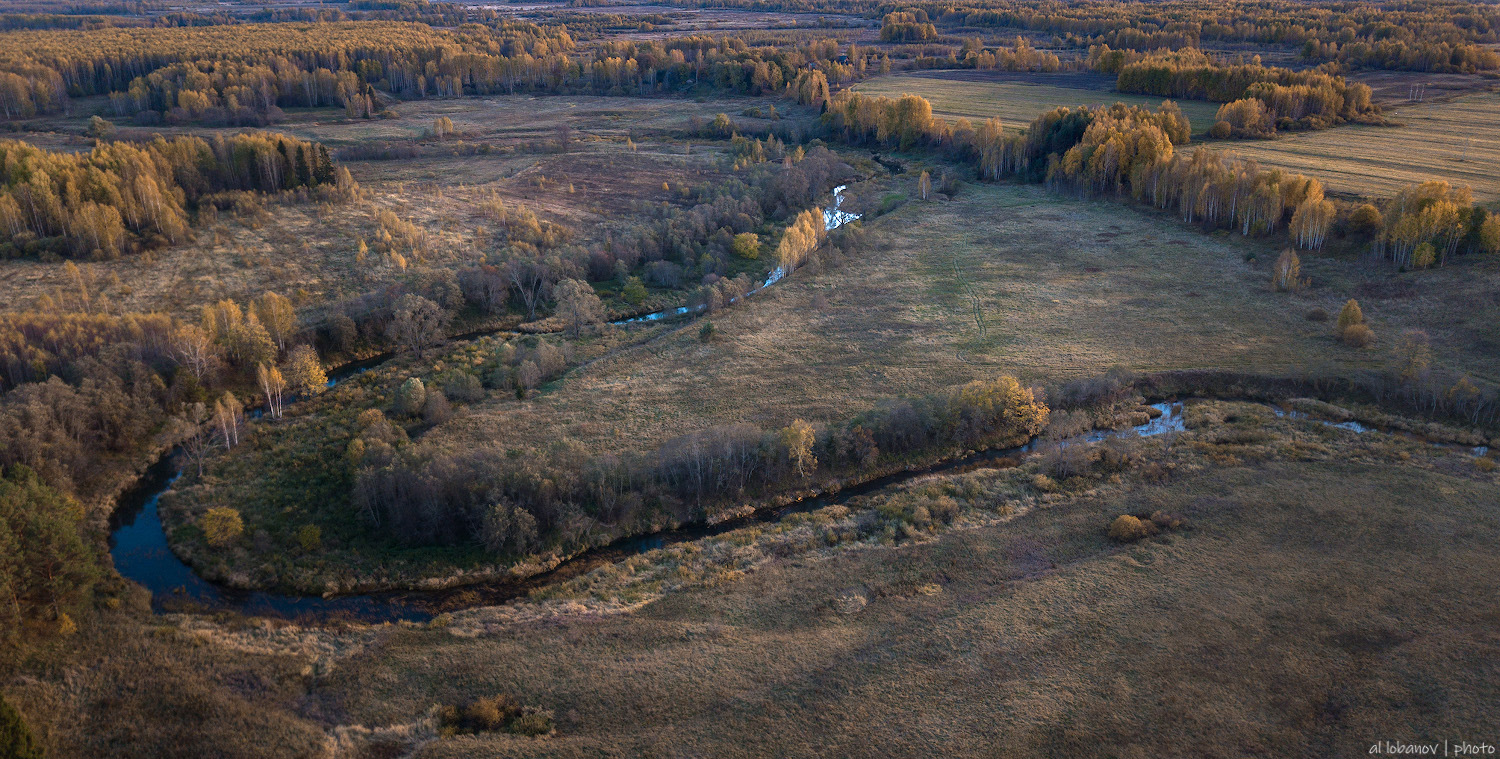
(308, 251)
(1018, 98)
(1457, 141)
(1067, 289)
(1308, 608)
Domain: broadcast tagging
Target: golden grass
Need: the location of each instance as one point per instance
(1018, 98)
(1457, 141)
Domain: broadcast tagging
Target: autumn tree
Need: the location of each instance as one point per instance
(304, 372)
(272, 386)
(194, 349)
(229, 417)
(1287, 273)
(278, 316)
(746, 245)
(1349, 315)
(798, 438)
(577, 304)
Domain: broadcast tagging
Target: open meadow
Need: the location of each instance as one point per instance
(1019, 97)
(1048, 290)
(1287, 614)
(1064, 289)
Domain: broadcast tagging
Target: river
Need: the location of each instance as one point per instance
(141, 553)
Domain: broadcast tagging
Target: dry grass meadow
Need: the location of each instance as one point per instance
(1067, 289)
(1294, 616)
(1017, 98)
(308, 251)
(1329, 589)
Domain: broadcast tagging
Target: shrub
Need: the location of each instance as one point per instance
(707, 333)
(222, 526)
(1317, 315)
(634, 291)
(15, 738)
(310, 537)
(495, 714)
(1349, 316)
(463, 387)
(533, 722)
(1220, 130)
(1167, 521)
(1366, 220)
(436, 409)
(1359, 336)
(411, 397)
(490, 713)
(1127, 529)
(1063, 461)
(100, 129)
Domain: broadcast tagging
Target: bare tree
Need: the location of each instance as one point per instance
(229, 416)
(193, 348)
(195, 439)
(530, 279)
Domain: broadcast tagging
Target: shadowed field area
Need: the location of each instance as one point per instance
(1298, 614)
(1017, 98)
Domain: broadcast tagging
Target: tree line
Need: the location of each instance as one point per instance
(1258, 99)
(1424, 35)
(122, 196)
(517, 507)
(1131, 152)
(239, 74)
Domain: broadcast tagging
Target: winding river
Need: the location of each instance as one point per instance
(138, 542)
(139, 547)
(141, 553)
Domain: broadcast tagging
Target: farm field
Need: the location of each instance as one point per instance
(1456, 141)
(1017, 98)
